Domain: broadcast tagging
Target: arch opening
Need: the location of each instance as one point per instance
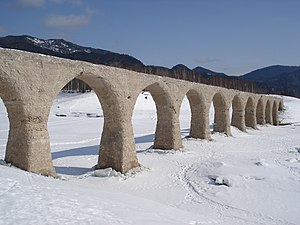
(238, 114)
(167, 129)
(221, 121)
(98, 135)
(144, 121)
(4, 129)
(250, 113)
(75, 124)
(185, 117)
(280, 106)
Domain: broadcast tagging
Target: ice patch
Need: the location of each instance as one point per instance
(108, 172)
(220, 180)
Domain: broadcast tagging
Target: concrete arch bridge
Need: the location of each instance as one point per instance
(29, 84)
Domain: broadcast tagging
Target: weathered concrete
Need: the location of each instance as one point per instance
(199, 115)
(29, 83)
(222, 117)
(274, 113)
(250, 113)
(260, 111)
(268, 112)
(238, 113)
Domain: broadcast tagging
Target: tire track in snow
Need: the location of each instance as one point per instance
(197, 195)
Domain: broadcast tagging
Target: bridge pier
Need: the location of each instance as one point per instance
(238, 113)
(250, 114)
(167, 133)
(117, 146)
(199, 116)
(274, 114)
(200, 124)
(221, 118)
(28, 145)
(260, 112)
(268, 113)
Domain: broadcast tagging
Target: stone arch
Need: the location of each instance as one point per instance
(117, 148)
(274, 114)
(250, 113)
(199, 127)
(31, 82)
(268, 112)
(238, 113)
(260, 112)
(101, 86)
(221, 116)
(167, 132)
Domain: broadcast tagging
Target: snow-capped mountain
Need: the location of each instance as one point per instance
(60, 45)
(69, 50)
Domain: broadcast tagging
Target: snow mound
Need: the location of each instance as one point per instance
(221, 180)
(108, 172)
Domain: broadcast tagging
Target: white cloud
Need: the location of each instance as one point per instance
(67, 21)
(30, 3)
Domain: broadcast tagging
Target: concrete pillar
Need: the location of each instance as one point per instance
(28, 144)
(250, 114)
(274, 114)
(199, 116)
(221, 118)
(268, 113)
(200, 124)
(167, 133)
(238, 113)
(117, 146)
(260, 112)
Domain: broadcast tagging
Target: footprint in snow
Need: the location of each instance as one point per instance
(296, 150)
(294, 160)
(260, 163)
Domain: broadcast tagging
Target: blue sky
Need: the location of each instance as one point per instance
(231, 36)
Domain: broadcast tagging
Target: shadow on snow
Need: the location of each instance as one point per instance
(92, 150)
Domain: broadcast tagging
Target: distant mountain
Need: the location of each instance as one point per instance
(69, 50)
(207, 73)
(65, 49)
(277, 79)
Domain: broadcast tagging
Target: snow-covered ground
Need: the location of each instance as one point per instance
(249, 178)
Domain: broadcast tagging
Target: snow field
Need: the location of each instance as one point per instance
(249, 178)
